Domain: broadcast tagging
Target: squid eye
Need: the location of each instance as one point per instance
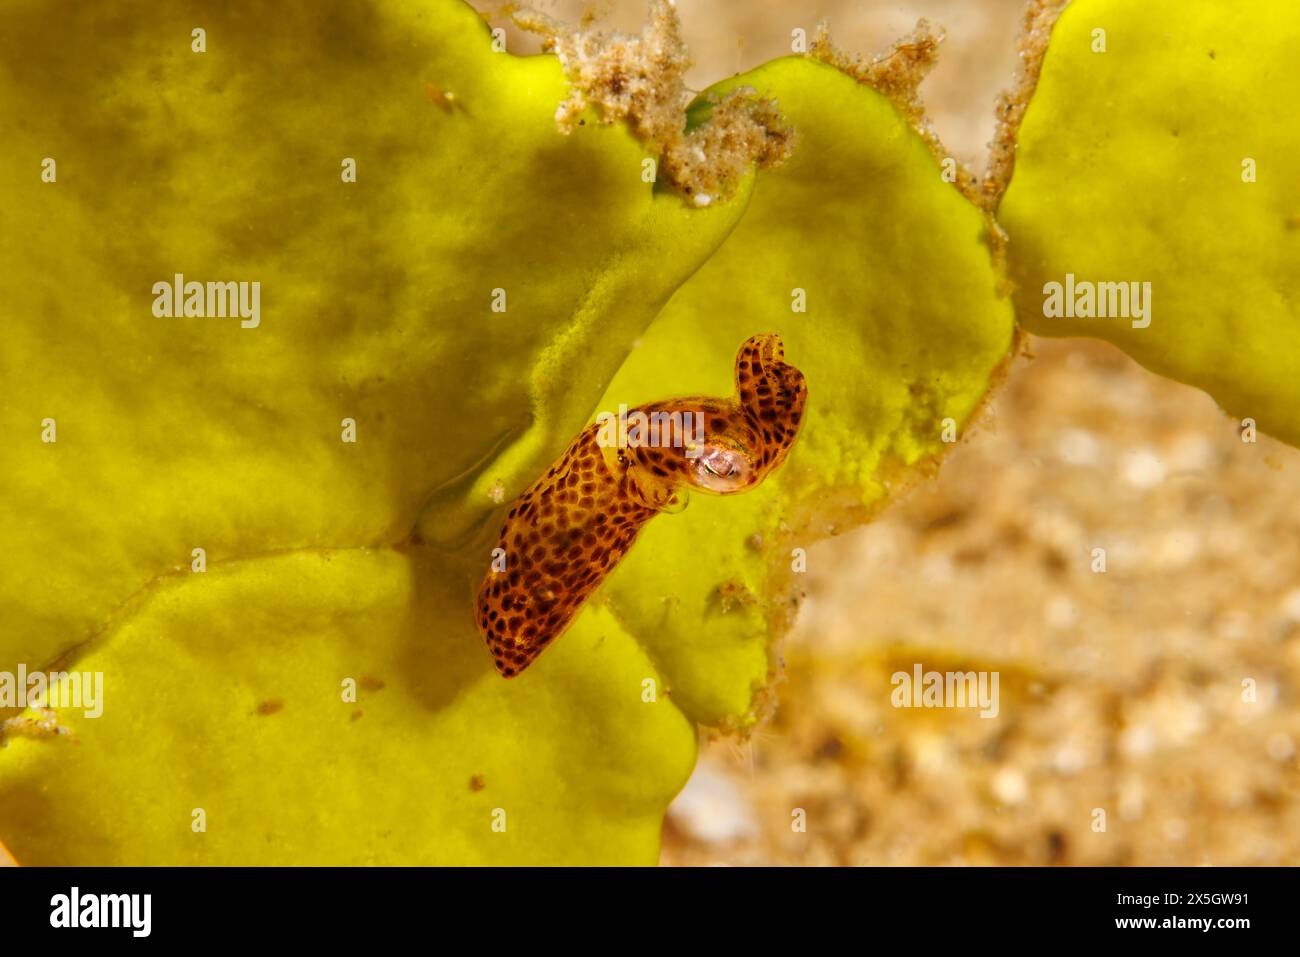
(721, 469)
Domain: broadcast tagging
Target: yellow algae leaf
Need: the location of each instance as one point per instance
(336, 707)
(1157, 186)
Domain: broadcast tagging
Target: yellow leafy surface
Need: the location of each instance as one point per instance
(176, 434)
(1130, 169)
(223, 695)
(903, 329)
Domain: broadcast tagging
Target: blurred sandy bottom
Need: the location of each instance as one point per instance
(1125, 691)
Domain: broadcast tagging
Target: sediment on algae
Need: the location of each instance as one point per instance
(641, 81)
(896, 74)
(1040, 17)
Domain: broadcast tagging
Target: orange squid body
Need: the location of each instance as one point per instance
(575, 523)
